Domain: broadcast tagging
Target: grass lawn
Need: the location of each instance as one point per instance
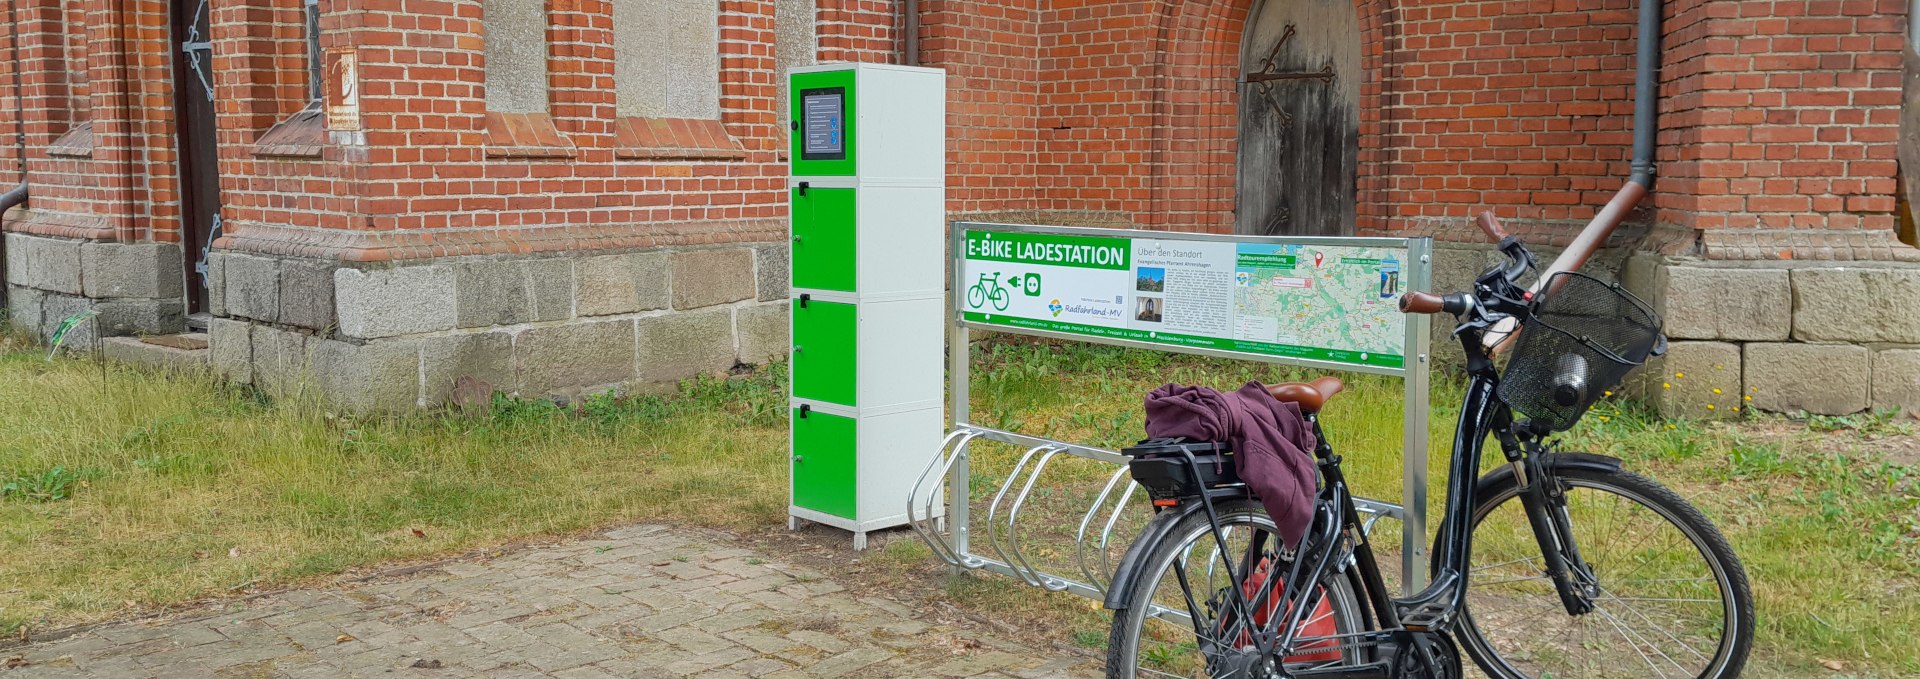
(129, 490)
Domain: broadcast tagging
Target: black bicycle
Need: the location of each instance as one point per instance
(1555, 565)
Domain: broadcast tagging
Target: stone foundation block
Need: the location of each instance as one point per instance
(1727, 304)
(141, 316)
(251, 287)
(23, 309)
(703, 278)
(280, 363)
(1698, 380)
(1854, 304)
(149, 270)
(55, 309)
(230, 349)
(1825, 379)
(566, 358)
(683, 345)
(51, 264)
(773, 266)
(306, 294)
(1896, 378)
(486, 357)
(764, 332)
(133, 351)
(376, 376)
(606, 285)
(390, 302)
(216, 284)
(510, 292)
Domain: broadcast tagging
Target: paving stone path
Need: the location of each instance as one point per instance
(644, 601)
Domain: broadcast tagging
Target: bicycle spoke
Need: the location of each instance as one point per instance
(1643, 616)
(1637, 639)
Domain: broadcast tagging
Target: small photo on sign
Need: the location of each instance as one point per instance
(1151, 279)
(1148, 309)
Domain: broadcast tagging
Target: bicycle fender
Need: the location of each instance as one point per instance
(1504, 473)
(1142, 547)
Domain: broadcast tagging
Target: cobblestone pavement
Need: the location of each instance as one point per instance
(644, 601)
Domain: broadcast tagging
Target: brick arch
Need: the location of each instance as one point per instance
(1195, 104)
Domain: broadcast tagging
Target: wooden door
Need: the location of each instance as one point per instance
(194, 130)
(1299, 119)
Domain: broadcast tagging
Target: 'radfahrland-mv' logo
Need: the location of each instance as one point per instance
(1054, 306)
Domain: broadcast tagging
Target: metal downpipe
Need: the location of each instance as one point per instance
(1646, 128)
(912, 48)
(1646, 92)
(16, 196)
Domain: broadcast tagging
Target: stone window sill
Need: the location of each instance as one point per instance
(525, 135)
(301, 135)
(76, 143)
(675, 139)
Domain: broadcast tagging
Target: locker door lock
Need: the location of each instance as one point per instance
(803, 188)
(805, 410)
(805, 297)
(798, 458)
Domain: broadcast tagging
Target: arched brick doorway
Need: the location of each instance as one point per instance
(1299, 119)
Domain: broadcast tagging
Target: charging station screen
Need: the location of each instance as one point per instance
(825, 123)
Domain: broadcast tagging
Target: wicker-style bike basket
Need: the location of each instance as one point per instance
(1579, 340)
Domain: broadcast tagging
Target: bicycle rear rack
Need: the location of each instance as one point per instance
(1093, 539)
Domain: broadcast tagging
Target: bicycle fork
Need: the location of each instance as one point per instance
(1545, 502)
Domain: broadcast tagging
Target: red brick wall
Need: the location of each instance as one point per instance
(123, 190)
(1776, 115)
(425, 182)
(1511, 105)
(866, 31)
(1781, 114)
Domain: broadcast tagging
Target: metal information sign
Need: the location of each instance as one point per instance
(1299, 300)
(1328, 303)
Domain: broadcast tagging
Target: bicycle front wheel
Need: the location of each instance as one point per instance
(1670, 599)
(1156, 635)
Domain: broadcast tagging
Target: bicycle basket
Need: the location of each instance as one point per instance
(1580, 339)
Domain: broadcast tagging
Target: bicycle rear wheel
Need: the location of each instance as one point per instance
(1154, 636)
(1670, 598)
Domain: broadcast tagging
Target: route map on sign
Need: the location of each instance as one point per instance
(1332, 303)
(1327, 297)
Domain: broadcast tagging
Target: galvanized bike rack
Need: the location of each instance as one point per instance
(1093, 540)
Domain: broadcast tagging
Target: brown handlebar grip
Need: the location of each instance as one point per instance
(1491, 225)
(1421, 303)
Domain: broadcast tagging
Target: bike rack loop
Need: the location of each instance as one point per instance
(928, 533)
(993, 513)
(1099, 581)
(1013, 516)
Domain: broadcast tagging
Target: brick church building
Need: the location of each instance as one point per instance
(382, 197)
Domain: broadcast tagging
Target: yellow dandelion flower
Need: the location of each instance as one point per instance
(1747, 397)
(1716, 390)
(1671, 427)
(1736, 409)
(1666, 385)
(1709, 406)
(1680, 375)
(1606, 393)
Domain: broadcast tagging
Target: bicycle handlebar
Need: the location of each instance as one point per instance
(1492, 226)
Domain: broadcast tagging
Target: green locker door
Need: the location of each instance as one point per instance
(823, 239)
(823, 462)
(823, 142)
(824, 343)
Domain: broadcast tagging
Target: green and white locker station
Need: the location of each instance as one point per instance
(868, 191)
